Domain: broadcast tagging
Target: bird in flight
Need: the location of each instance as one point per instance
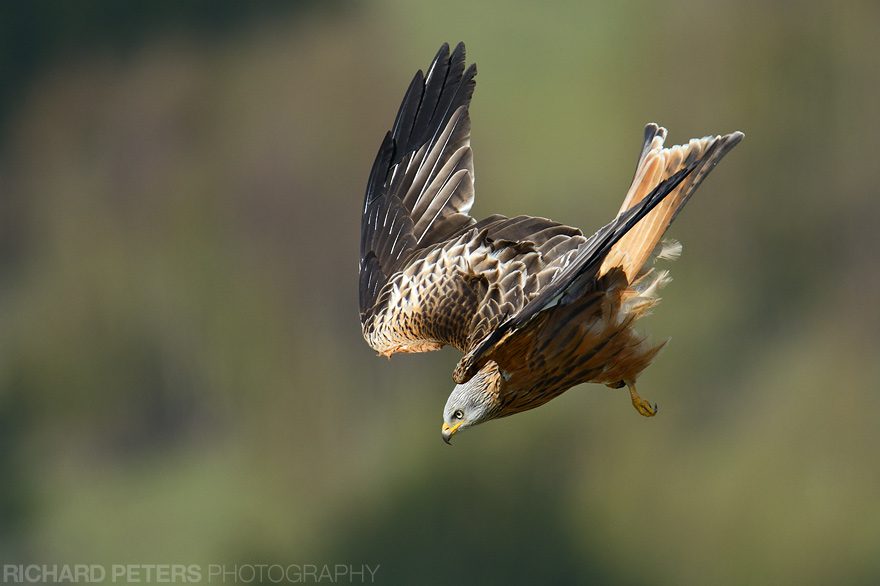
(535, 306)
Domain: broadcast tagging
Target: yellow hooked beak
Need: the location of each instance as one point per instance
(448, 431)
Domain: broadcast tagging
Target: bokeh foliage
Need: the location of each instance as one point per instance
(182, 376)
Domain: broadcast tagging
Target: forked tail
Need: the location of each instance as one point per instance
(656, 164)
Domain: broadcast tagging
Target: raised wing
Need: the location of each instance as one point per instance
(421, 187)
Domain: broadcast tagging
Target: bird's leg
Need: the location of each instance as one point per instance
(643, 406)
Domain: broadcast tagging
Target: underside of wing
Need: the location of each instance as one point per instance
(420, 188)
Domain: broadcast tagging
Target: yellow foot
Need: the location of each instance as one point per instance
(644, 407)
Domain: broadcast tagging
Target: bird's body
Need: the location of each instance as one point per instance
(536, 306)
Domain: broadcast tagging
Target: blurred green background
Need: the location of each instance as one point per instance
(182, 374)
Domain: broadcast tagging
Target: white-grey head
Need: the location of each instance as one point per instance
(474, 402)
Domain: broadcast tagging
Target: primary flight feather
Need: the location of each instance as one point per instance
(535, 306)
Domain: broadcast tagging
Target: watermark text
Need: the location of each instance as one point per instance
(299, 573)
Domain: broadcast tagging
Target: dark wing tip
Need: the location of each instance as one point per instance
(442, 53)
(734, 138)
(432, 98)
(408, 108)
(458, 54)
(726, 143)
(379, 171)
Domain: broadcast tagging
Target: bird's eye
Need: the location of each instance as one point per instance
(459, 414)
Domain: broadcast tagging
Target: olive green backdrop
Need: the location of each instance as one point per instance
(182, 375)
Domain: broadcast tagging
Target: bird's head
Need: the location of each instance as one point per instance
(474, 402)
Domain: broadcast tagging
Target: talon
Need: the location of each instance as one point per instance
(644, 408)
